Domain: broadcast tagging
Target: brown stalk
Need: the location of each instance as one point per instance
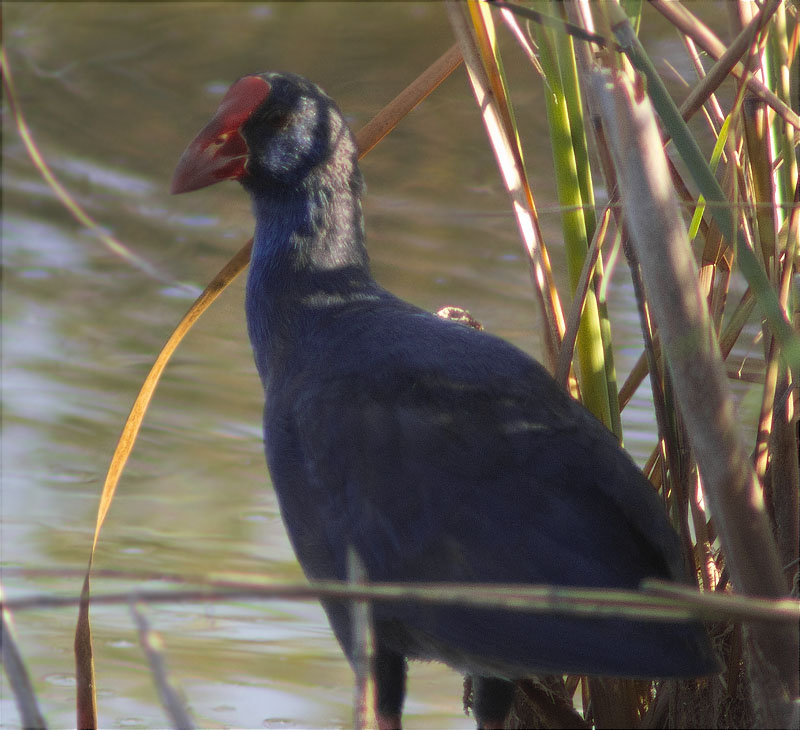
(689, 24)
(388, 117)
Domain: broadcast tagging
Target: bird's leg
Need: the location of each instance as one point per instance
(389, 670)
(492, 698)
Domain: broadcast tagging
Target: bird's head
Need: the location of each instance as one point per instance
(271, 131)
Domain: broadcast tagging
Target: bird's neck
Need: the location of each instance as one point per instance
(308, 255)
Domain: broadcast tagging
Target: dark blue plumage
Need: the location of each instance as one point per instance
(441, 453)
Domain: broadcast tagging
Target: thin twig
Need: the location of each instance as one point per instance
(18, 677)
(547, 599)
(153, 648)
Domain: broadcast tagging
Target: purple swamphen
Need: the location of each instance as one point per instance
(438, 452)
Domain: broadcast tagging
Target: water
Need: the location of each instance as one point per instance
(113, 92)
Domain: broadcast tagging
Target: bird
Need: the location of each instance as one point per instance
(438, 452)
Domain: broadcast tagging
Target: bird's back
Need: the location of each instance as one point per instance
(441, 453)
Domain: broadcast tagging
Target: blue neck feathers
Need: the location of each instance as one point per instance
(308, 252)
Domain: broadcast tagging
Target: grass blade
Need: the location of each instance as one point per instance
(505, 145)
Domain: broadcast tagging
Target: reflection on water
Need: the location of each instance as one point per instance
(113, 92)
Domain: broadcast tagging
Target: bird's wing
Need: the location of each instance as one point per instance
(435, 477)
(444, 473)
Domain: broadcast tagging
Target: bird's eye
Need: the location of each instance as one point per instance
(276, 118)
